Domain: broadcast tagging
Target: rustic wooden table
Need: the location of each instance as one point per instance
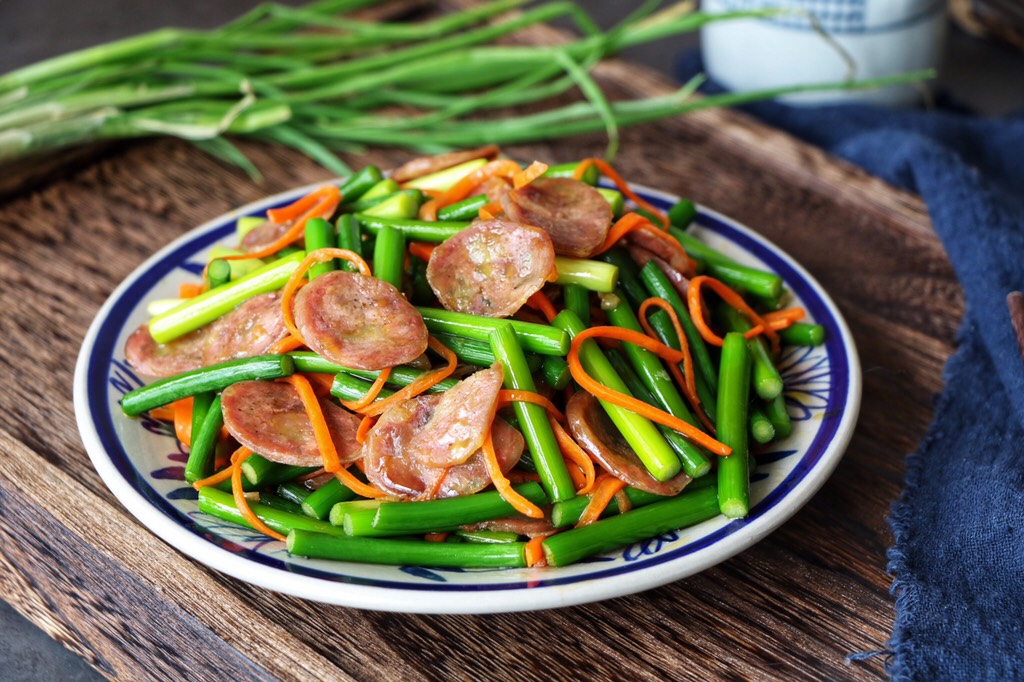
(791, 608)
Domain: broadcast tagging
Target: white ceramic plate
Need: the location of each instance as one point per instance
(142, 463)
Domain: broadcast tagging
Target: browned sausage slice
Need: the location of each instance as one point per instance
(425, 165)
(596, 434)
(642, 257)
(460, 421)
(359, 322)
(663, 250)
(262, 236)
(575, 214)
(250, 329)
(491, 267)
(517, 523)
(268, 418)
(154, 359)
(394, 466)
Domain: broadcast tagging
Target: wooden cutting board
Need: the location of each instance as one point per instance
(791, 608)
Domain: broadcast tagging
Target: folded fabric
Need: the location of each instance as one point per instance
(958, 528)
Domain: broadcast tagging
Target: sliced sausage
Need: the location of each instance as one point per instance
(392, 463)
(575, 214)
(262, 236)
(268, 418)
(595, 432)
(153, 359)
(491, 267)
(642, 257)
(425, 165)
(674, 257)
(250, 329)
(359, 322)
(460, 421)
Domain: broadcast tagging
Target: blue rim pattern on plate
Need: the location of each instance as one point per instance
(103, 372)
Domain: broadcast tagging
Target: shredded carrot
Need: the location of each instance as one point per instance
(778, 320)
(686, 378)
(164, 413)
(296, 280)
(540, 301)
(622, 499)
(189, 289)
(534, 553)
(287, 345)
(183, 419)
(604, 491)
(422, 383)
(528, 174)
(371, 393)
(518, 395)
(321, 383)
(238, 492)
(364, 428)
(490, 211)
(696, 305)
(602, 392)
(317, 204)
(225, 473)
(357, 486)
(421, 250)
(503, 486)
(435, 537)
(623, 186)
(322, 433)
(463, 188)
(574, 453)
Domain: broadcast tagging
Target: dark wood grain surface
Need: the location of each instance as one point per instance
(791, 608)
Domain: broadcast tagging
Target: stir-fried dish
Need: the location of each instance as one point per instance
(470, 364)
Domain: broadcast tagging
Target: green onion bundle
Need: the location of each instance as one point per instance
(320, 81)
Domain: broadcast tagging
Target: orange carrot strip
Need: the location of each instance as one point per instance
(540, 301)
(295, 281)
(534, 552)
(778, 320)
(357, 486)
(603, 493)
(299, 206)
(623, 186)
(602, 392)
(238, 492)
(422, 383)
(503, 486)
(435, 537)
(287, 345)
(462, 189)
(696, 305)
(189, 289)
(528, 174)
(575, 454)
(421, 250)
(371, 393)
(328, 198)
(322, 433)
(686, 378)
(164, 413)
(490, 211)
(623, 501)
(364, 428)
(225, 473)
(183, 419)
(518, 395)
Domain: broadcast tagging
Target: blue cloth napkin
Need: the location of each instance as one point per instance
(958, 528)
